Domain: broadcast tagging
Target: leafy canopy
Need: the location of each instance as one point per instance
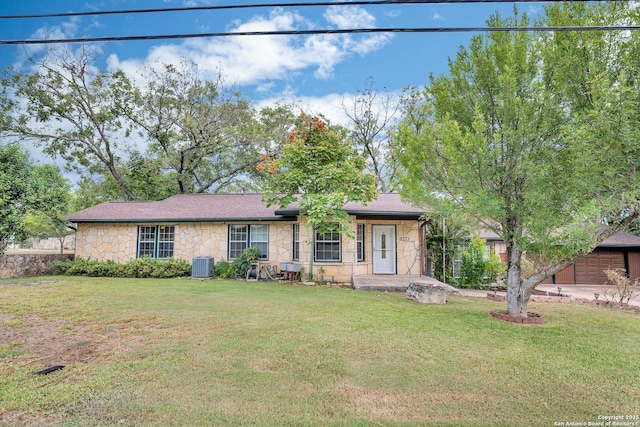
(171, 131)
(319, 168)
(26, 188)
(534, 135)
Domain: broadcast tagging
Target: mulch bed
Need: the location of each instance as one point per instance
(565, 299)
(531, 319)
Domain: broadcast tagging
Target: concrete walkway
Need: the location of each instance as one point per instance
(400, 283)
(586, 291)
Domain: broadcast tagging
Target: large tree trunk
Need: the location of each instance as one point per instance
(517, 293)
(519, 288)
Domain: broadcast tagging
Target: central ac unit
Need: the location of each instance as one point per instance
(202, 267)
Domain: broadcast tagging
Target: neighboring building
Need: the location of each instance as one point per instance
(387, 233)
(622, 250)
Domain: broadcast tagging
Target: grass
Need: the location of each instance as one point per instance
(190, 352)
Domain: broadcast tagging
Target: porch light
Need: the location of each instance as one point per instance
(596, 295)
(559, 291)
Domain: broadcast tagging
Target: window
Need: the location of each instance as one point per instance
(146, 241)
(360, 242)
(242, 237)
(383, 245)
(238, 237)
(259, 238)
(166, 237)
(328, 247)
(156, 241)
(296, 242)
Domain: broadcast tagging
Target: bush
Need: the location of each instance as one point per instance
(476, 271)
(136, 268)
(222, 269)
(624, 290)
(238, 268)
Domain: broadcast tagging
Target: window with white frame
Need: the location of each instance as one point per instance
(296, 242)
(166, 239)
(244, 236)
(238, 240)
(328, 247)
(259, 238)
(156, 241)
(360, 242)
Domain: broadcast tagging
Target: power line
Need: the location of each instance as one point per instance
(324, 31)
(264, 5)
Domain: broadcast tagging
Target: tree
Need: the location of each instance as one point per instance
(74, 111)
(535, 135)
(49, 220)
(319, 168)
(370, 116)
(144, 176)
(26, 188)
(173, 133)
(634, 228)
(204, 137)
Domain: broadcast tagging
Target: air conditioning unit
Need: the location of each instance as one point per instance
(202, 267)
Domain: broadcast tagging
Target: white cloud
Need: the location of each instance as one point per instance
(248, 60)
(349, 17)
(65, 30)
(436, 16)
(330, 105)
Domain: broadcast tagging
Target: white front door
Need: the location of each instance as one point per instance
(384, 249)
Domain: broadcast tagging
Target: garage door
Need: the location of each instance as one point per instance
(590, 270)
(634, 265)
(566, 276)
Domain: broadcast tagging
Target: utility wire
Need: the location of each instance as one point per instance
(325, 31)
(264, 5)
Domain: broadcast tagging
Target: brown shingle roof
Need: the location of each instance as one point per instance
(621, 239)
(222, 207)
(387, 204)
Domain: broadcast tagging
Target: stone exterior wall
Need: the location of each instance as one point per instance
(407, 250)
(27, 265)
(117, 242)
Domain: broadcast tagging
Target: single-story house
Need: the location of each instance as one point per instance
(387, 233)
(388, 237)
(622, 250)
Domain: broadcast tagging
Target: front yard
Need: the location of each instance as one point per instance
(208, 352)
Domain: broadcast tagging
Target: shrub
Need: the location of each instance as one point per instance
(240, 265)
(136, 268)
(476, 271)
(222, 269)
(624, 288)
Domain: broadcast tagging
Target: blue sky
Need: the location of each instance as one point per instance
(318, 71)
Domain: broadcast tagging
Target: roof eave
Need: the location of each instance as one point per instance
(156, 220)
(619, 246)
(362, 213)
(386, 214)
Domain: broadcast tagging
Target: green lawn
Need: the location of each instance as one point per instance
(191, 352)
